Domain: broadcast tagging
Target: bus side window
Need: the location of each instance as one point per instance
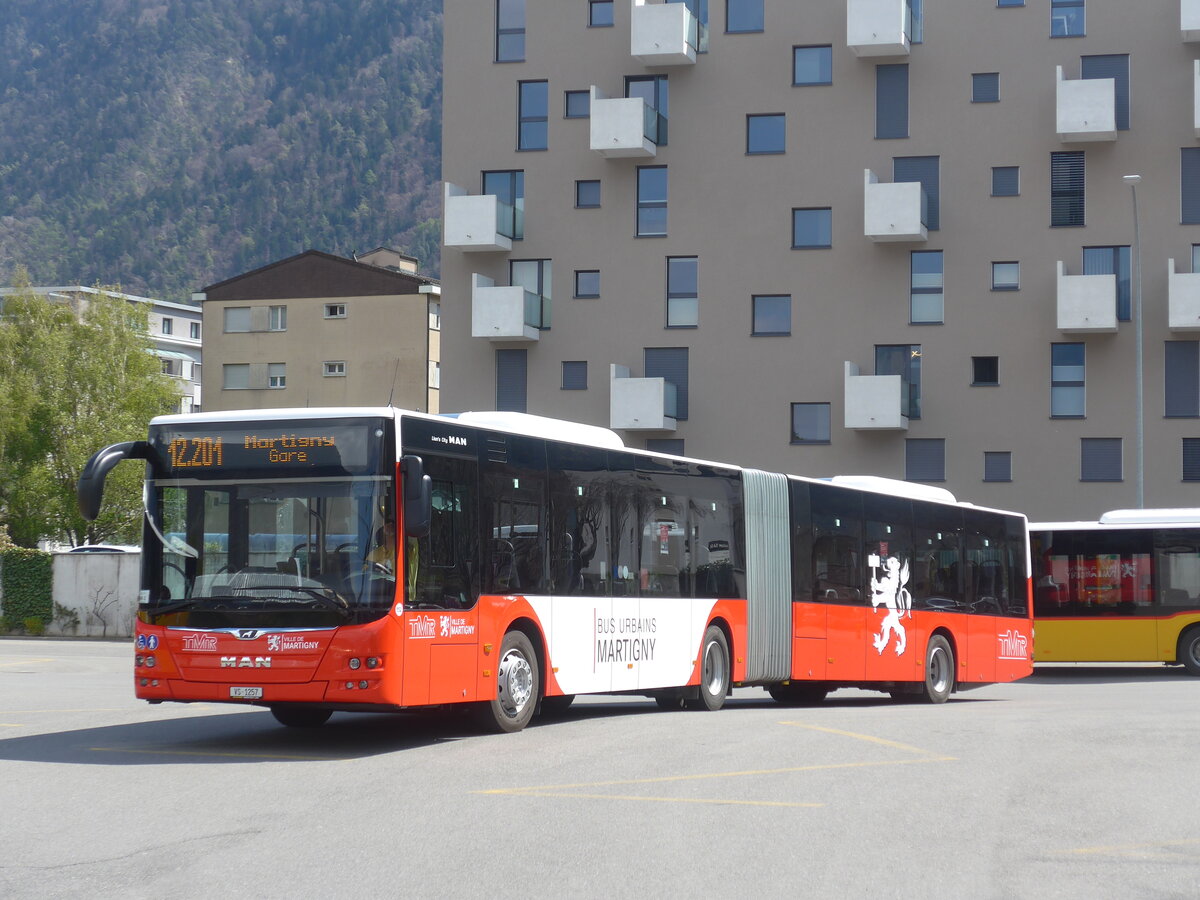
(936, 581)
(838, 564)
(579, 517)
(446, 575)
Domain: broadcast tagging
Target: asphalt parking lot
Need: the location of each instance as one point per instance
(1078, 782)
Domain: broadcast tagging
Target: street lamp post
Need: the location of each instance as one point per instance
(1133, 181)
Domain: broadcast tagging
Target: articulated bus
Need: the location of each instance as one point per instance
(374, 559)
(1123, 589)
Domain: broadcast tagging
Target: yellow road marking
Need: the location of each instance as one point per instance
(151, 751)
(10, 725)
(866, 737)
(85, 709)
(1133, 848)
(31, 659)
(702, 800)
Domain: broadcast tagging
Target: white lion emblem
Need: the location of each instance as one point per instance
(889, 591)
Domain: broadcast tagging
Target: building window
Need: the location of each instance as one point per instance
(196, 372)
(985, 370)
(1191, 459)
(511, 380)
(1195, 258)
(651, 201)
(742, 16)
(574, 375)
(435, 374)
(1066, 18)
(335, 310)
(194, 330)
(577, 104)
(766, 133)
(587, 195)
(435, 315)
(334, 369)
(600, 13)
(671, 365)
(812, 229)
(1181, 367)
(534, 275)
(891, 101)
(1006, 276)
(653, 91)
(683, 298)
(276, 375)
(533, 109)
(172, 367)
(925, 459)
(671, 446)
(925, 170)
(1003, 3)
(1067, 372)
(997, 465)
(812, 65)
(772, 314)
(927, 305)
(508, 187)
(235, 376)
(168, 326)
(510, 30)
(587, 283)
(237, 319)
(1116, 67)
(1100, 459)
(1066, 188)
(1006, 181)
(1111, 261)
(277, 318)
(985, 87)
(810, 423)
(903, 360)
(1189, 187)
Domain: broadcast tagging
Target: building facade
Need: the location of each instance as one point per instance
(322, 330)
(879, 237)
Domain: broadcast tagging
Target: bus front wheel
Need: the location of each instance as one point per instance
(1189, 651)
(714, 671)
(516, 686)
(939, 670)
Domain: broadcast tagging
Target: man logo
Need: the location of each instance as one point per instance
(245, 662)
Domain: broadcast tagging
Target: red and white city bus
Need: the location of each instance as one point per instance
(313, 560)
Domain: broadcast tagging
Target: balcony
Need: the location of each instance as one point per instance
(623, 126)
(878, 27)
(874, 402)
(476, 222)
(1183, 299)
(640, 404)
(1196, 96)
(1086, 303)
(1189, 20)
(894, 211)
(503, 313)
(663, 34)
(1086, 108)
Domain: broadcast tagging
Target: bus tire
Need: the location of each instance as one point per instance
(714, 671)
(516, 686)
(552, 707)
(939, 670)
(670, 701)
(1188, 652)
(798, 693)
(300, 716)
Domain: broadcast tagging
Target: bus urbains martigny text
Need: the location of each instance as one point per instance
(314, 560)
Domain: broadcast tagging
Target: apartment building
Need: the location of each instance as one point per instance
(317, 329)
(867, 236)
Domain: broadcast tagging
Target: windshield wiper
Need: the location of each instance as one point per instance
(332, 598)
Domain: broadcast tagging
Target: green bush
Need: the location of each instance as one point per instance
(27, 578)
(35, 626)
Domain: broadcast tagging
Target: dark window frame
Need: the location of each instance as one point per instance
(822, 427)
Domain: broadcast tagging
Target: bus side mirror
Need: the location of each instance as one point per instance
(90, 489)
(418, 497)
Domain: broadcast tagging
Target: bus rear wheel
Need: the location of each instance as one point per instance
(939, 670)
(1189, 651)
(300, 716)
(714, 671)
(516, 686)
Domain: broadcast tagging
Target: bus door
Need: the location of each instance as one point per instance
(838, 567)
(1176, 580)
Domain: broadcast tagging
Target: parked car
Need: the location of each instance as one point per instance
(102, 548)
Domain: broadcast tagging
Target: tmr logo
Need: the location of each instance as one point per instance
(1013, 645)
(245, 662)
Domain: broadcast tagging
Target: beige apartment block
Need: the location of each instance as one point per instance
(322, 330)
(842, 237)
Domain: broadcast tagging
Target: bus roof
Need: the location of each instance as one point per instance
(1127, 518)
(259, 415)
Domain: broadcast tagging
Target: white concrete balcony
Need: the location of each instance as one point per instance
(640, 404)
(878, 27)
(663, 34)
(1086, 108)
(623, 126)
(1086, 303)
(874, 402)
(894, 211)
(475, 222)
(503, 313)
(1183, 299)
(1189, 20)
(1196, 95)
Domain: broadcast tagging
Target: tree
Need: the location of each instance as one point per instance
(74, 377)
